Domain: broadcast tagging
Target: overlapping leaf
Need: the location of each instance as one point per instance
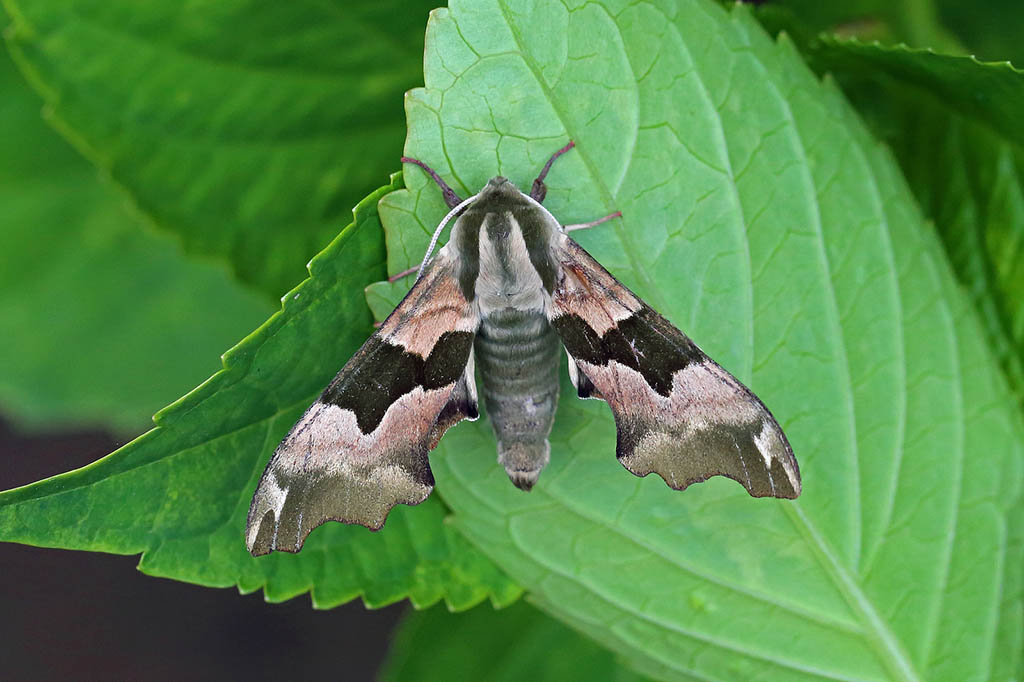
(180, 493)
(91, 302)
(990, 29)
(990, 93)
(916, 22)
(761, 218)
(249, 129)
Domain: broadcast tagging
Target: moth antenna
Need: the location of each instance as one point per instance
(403, 273)
(592, 223)
(437, 233)
(450, 197)
(539, 189)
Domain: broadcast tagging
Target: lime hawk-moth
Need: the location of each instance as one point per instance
(507, 292)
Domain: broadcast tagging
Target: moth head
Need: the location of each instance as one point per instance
(503, 236)
(500, 184)
(501, 195)
(501, 202)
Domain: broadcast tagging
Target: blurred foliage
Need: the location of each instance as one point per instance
(991, 30)
(102, 322)
(916, 22)
(759, 214)
(248, 129)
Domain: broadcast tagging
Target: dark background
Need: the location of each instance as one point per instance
(82, 615)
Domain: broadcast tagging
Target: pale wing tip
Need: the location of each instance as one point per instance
(264, 520)
(285, 512)
(783, 472)
(784, 492)
(259, 536)
(782, 457)
(759, 458)
(793, 476)
(262, 535)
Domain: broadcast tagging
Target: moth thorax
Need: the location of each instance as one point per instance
(507, 277)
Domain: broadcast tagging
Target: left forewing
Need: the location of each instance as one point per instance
(677, 412)
(361, 448)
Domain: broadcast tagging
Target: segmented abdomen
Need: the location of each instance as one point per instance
(517, 353)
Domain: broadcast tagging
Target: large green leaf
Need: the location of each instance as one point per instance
(179, 494)
(486, 645)
(101, 321)
(248, 128)
(761, 218)
(953, 125)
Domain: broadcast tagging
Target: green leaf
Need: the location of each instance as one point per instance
(970, 180)
(952, 123)
(180, 493)
(485, 645)
(92, 303)
(761, 218)
(248, 129)
(990, 93)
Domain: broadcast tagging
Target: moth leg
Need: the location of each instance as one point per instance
(592, 223)
(539, 189)
(450, 197)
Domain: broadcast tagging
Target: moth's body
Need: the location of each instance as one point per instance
(507, 292)
(517, 350)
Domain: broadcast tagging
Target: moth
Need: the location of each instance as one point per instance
(507, 292)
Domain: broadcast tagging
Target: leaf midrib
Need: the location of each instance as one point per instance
(891, 649)
(606, 195)
(885, 641)
(825, 619)
(627, 608)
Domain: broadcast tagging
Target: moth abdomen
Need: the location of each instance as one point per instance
(518, 356)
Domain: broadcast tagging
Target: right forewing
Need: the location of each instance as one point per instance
(677, 412)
